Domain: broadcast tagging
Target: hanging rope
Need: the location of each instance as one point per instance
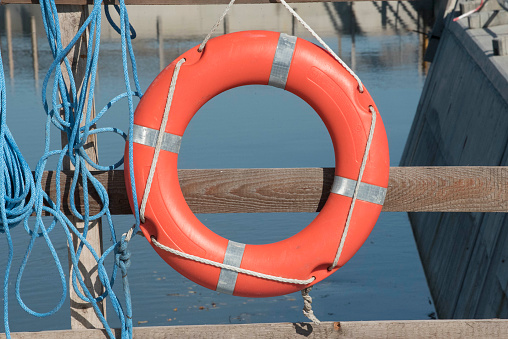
(16, 189)
(307, 305)
(307, 27)
(21, 194)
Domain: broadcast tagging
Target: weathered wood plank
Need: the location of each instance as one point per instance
(8, 32)
(415, 189)
(171, 2)
(71, 18)
(415, 329)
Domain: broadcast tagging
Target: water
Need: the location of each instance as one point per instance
(247, 127)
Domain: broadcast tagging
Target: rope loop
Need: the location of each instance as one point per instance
(114, 25)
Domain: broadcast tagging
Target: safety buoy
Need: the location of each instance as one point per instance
(300, 67)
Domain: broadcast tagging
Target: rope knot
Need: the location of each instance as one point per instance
(122, 255)
(307, 306)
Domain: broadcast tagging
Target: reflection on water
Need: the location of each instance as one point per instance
(249, 127)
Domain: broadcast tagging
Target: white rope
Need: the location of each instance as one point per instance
(307, 306)
(307, 27)
(159, 139)
(128, 235)
(231, 268)
(202, 46)
(357, 187)
(321, 41)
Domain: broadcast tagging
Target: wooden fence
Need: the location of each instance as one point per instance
(411, 329)
(415, 189)
(411, 189)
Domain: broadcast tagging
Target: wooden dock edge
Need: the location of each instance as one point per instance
(414, 329)
(410, 189)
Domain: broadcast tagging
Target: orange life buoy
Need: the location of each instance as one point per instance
(300, 67)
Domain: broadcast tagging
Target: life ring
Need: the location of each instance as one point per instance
(311, 73)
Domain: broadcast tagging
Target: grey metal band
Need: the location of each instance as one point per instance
(367, 192)
(148, 136)
(282, 60)
(233, 257)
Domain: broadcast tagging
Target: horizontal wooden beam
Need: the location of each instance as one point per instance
(414, 329)
(171, 2)
(411, 189)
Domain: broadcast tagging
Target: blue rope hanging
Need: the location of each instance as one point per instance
(16, 189)
(21, 194)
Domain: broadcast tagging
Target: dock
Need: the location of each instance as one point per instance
(421, 329)
(462, 121)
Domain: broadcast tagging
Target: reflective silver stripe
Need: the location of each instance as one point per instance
(367, 192)
(148, 136)
(282, 60)
(233, 257)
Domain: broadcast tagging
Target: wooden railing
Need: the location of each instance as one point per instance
(412, 189)
(424, 329)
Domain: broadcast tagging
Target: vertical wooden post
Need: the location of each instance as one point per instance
(421, 53)
(293, 24)
(384, 11)
(35, 56)
(225, 23)
(339, 48)
(160, 39)
(424, 40)
(8, 29)
(397, 16)
(352, 27)
(71, 17)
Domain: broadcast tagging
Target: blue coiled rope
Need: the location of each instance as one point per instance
(21, 194)
(16, 189)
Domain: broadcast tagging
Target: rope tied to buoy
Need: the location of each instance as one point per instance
(307, 305)
(304, 24)
(357, 188)
(230, 267)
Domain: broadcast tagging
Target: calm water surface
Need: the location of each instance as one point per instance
(247, 127)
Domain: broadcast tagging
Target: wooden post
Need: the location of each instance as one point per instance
(384, 18)
(339, 48)
(352, 27)
(160, 39)
(293, 24)
(397, 16)
(225, 23)
(71, 17)
(35, 56)
(8, 29)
